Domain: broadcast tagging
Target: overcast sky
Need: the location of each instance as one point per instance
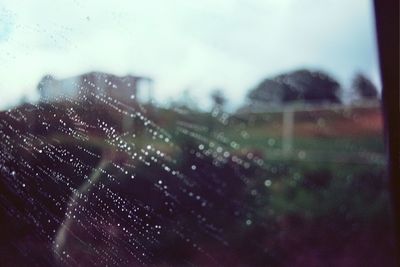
(181, 44)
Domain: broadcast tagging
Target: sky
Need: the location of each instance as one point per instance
(183, 45)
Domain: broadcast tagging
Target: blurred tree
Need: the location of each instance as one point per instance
(218, 98)
(185, 101)
(311, 86)
(363, 88)
(217, 109)
(269, 91)
(301, 85)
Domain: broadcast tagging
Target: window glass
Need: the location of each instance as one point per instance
(181, 133)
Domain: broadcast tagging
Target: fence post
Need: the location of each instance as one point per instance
(287, 129)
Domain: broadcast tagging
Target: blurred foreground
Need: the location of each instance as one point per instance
(94, 181)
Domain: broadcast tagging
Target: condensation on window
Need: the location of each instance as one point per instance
(96, 171)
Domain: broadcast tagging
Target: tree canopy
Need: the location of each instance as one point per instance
(300, 85)
(363, 88)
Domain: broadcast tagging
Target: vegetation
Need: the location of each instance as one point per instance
(239, 198)
(363, 88)
(301, 85)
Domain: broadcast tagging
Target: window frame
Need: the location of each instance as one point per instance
(387, 31)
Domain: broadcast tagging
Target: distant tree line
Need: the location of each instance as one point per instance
(307, 86)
